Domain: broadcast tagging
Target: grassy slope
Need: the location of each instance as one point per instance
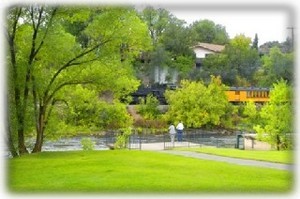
(270, 156)
(138, 171)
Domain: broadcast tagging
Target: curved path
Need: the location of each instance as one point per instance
(231, 160)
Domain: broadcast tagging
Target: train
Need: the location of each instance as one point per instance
(246, 94)
(234, 94)
(158, 91)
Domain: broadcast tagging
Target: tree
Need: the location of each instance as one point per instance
(157, 21)
(177, 41)
(171, 53)
(196, 104)
(285, 47)
(45, 60)
(20, 66)
(276, 126)
(86, 111)
(255, 42)
(209, 32)
(237, 63)
(148, 107)
(250, 116)
(275, 65)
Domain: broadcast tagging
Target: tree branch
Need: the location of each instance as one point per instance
(35, 33)
(48, 114)
(49, 98)
(46, 32)
(72, 62)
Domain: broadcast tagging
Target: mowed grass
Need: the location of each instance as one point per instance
(285, 157)
(137, 172)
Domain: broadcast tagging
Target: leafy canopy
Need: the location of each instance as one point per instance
(277, 117)
(196, 104)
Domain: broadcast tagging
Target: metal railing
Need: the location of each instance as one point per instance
(191, 138)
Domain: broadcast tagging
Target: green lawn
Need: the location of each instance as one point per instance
(138, 172)
(270, 156)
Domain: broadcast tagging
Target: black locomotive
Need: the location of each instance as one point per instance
(157, 90)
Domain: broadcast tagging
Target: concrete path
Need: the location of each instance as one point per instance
(231, 160)
(158, 146)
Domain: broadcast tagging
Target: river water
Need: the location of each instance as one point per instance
(73, 144)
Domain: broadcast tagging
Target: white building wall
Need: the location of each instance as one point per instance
(201, 53)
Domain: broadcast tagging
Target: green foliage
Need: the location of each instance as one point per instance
(196, 104)
(184, 65)
(276, 65)
(122, 138)
(250, 116)
(152, 118)
(277, 117)
(53, 49)
(87, 144)
(209, 32)
(236, 65)
(255, 42)
(177, 38)
(153, 125)
(157, 21)
(114, 116)
(148, 107)
(86, 110)
(171, 42)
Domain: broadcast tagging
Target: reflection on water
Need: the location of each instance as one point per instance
(73, 144)
(63, 144)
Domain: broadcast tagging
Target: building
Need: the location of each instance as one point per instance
(202, 50)
(164, 75)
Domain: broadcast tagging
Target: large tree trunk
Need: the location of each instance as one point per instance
(40, 132)
(21, 139)
(278, 142)
(11, 146)
(38, 143)
(21, 142)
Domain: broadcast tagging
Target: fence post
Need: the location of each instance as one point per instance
(129, 142)
(188, 139)
(164, 142)
(140, 141)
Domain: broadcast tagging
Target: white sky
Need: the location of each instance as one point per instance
(270, 23)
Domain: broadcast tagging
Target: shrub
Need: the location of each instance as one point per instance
(87, 144)
(149, 108)
(122, 138)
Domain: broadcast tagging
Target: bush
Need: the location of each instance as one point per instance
(87, 144)
(149, 108)
(197, 104)
(122, 138)
(155, 123)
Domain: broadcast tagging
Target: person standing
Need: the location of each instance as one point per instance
(180, 128)
(172, 133)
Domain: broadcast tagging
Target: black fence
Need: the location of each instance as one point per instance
(190, 138)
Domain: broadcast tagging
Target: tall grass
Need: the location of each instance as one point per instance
(137, 172)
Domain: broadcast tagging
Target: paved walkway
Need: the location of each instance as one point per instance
(160, 147)
(231, 160)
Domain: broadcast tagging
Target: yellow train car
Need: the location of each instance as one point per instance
(246, 94)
